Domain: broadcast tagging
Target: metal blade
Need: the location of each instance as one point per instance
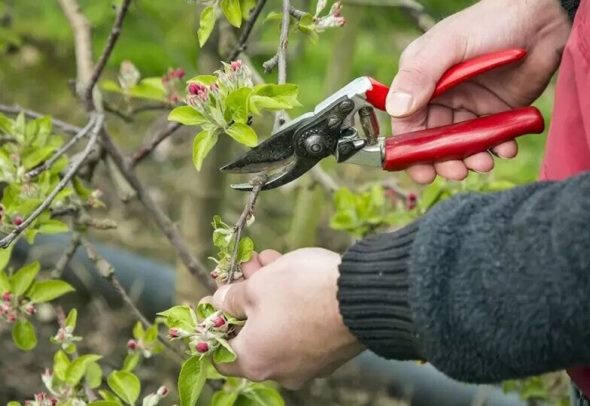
(292, 171)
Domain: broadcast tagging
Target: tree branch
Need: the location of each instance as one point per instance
(247, 30)
(166, 225)
(49, 162)
(70, 173)
(247, 213)
(280, 58)
(106, 53)
(146, 149)
(67, 256)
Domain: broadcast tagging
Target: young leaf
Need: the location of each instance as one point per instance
(265, 395)
(53, 226)
(93, 375)
(6, 125)
(205, 308)
(236, 105)
(242, 133)
(186, 115)
(125, 385)
(45, 291)
(245, 249)
(203, 79)
(223, 398)
(109, 396)
(13, 403)
(5, 254)
(72, 318)
(24, 277)
(206, 24)
(232, 11)
(24, 335)
(4, 282)
(224, 353)
(77, 368)
(247, 6)
(104, 403)
(138, 331)
(179, 316)
(191, 380)
(151, 334)
(202, 145)
(131, 361)
(285, 93)
(60, 364)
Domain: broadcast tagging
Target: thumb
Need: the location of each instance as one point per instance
(421, 66)
(232, 299)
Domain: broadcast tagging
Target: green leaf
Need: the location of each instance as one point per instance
(13, 403)
(77, 368)
(24, 335)
(242, 133)
(191, 380)
(186, 115)
(232, 11)
(19, 127)
(93, 375)
(5, 254)
(109, 396)
(202, 145)
(34, 156)
(203, 79)
(61, 362)
(151, 334)
(24, 277)
(53, 226)
(148, 88)
(138, 330)
(43, 130)
(224, 353)
(205, 309)
(6, 125)
(274, 16)
(265, 395)
(206, 24)
(179, 316)
(247, 6)
(131, 361)
(4, 282)
(245, 249)
(223, 398)
(274, 97)
(45, 291)
(236, 105)
(104, 403)
(125, 384)
(72, 318)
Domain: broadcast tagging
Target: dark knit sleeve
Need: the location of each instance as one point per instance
(486, 287)
(571, 6)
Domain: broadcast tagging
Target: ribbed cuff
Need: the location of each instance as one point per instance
(373, 294)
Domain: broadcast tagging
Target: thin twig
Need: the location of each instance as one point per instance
(147, 148)
(108, 49)
(296, 14)
(166, 225)
(14, 110)
(71, 172)
(247, 30)
(280, 58)
(106, 271)
(66, 257)
(72, 141)
(128, 115)
(247, 213)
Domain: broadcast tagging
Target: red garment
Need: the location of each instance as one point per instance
(568, 144)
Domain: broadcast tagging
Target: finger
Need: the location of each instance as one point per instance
(267, 257)
(462, 115)
(439, 116)
(506, 150)
(452, 170)
(235, 368)
(422, 173)
(482, 162)
(416, 79)
(248, 268)
(232, 299)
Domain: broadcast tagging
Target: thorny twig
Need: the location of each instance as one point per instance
(106, 53)
(247, 213)
(247, 30)
(146, 149)
(66, 257)
(106, 271)
(70, 173)
(71, 142)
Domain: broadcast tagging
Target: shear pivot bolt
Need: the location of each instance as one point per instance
(334, 122)
(346, 106)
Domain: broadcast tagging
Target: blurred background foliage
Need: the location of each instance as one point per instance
(37, 68)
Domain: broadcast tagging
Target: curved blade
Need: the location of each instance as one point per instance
(292, 171)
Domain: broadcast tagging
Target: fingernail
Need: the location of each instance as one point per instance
(399, 103)
(219, 296)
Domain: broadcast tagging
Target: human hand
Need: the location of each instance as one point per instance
(541, 27)
(294, 331)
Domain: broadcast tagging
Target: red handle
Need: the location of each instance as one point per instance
(458, 141)
(454, 76)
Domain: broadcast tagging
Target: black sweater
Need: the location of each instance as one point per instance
(485, 287)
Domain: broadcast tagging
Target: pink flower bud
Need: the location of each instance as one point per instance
(30, 309)
(411, 200)
(17, 220)
(179, 73)
(53, 401)
(235, 65)
(219, 322)
(6, 297)
(173, 333)
(162, 391)
(132, 344)
(202, 347)
(214, 274)
(11, 318)
(197, 89)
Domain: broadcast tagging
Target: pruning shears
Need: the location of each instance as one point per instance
(300, 144)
